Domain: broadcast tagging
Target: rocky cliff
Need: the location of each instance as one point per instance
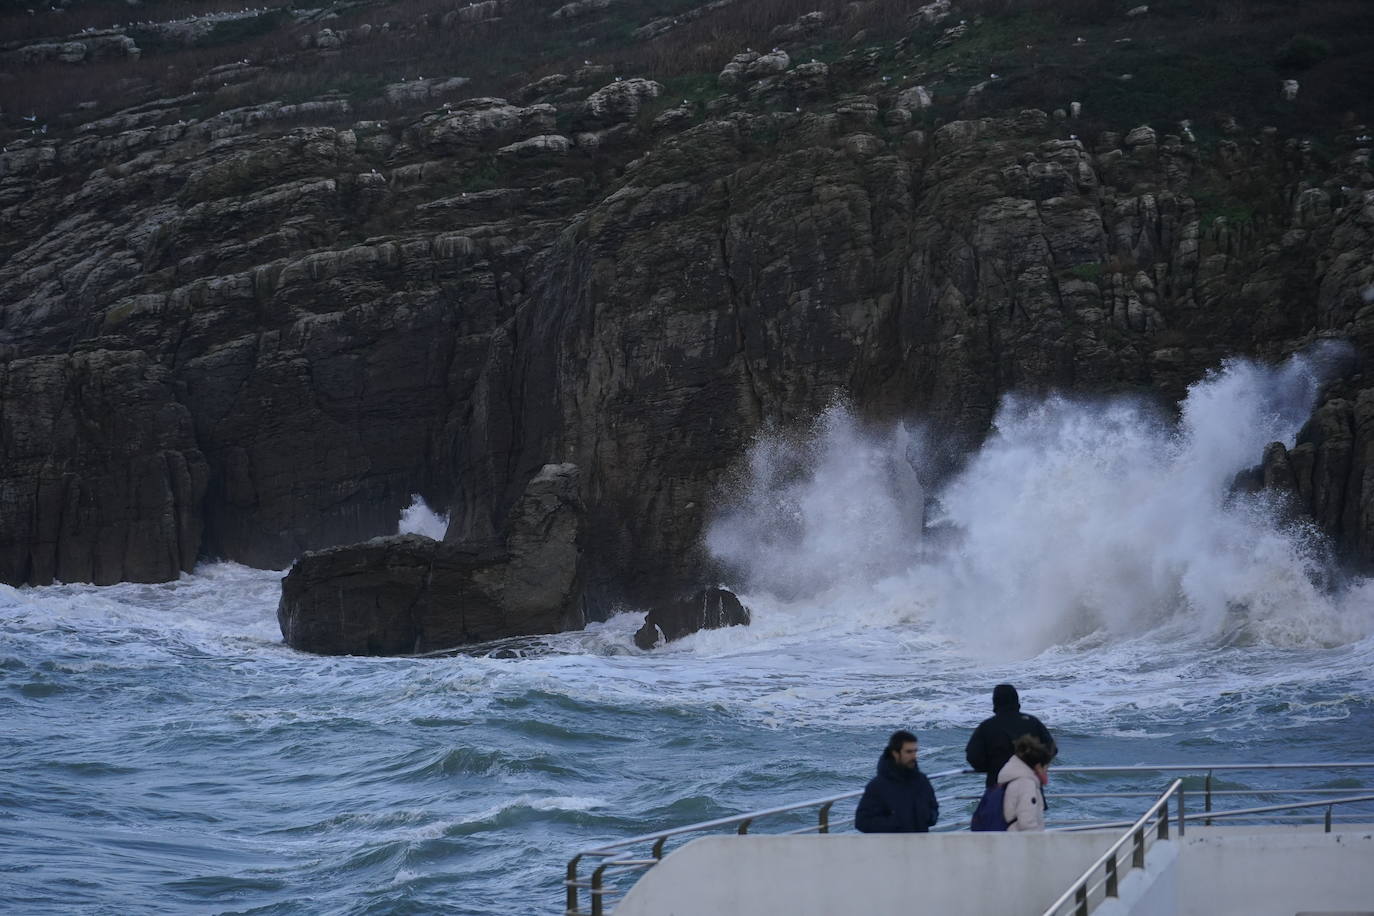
(249, 332)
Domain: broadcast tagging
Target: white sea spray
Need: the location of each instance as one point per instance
(419, 518)
(1076, 519)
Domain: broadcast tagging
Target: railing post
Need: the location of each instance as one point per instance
(596, 891)
(1163, 829)
(572, 883)
(1111, 876)
(1207, 803)
(1080, 900)
(1328, 818)
(1180, 813)
(825, 817)
(1138, 854)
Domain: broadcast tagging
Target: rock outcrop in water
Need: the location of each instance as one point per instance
(252, 332)
(708, 609)
(410, 594)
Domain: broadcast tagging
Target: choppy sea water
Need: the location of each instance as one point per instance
(163, 752)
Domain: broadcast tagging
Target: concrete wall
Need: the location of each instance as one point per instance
(1275, 871)
(1216, 871)
(971, 874)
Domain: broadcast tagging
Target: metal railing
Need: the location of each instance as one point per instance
(617, 860)
(614, 860)
(1081, 890)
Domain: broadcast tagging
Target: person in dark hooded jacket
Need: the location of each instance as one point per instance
(900, 798)
(990, 746)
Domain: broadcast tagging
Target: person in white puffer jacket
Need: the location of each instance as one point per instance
(1023, 804)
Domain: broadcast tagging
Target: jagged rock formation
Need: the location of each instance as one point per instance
(1329, 474)
(254, 332)
(708, 609)
(409, 593)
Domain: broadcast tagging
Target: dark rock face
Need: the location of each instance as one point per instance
(408, 593)
(708, 609)
(242, 338)
(1329, 473)
(103, 481)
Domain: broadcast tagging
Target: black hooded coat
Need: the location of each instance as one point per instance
(989, 748)
(897, 800)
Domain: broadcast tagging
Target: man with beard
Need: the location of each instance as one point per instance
(900, 798)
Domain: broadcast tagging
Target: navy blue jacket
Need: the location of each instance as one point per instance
(897, 800)
(989, 748)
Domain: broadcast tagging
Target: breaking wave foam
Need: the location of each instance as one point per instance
(419, 518)
(1076, 520)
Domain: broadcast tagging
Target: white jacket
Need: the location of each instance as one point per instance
(1023, 799)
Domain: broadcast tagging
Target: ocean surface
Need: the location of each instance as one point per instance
(163, 752)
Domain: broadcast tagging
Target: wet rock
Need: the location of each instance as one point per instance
(1328, 475)
(409, 594)
(708, 609)
(103, 479)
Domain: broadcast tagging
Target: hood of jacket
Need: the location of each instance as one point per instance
(1016, 768)
(1005, 699)
(889, 769)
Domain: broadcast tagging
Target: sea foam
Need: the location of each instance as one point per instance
(1076, 519)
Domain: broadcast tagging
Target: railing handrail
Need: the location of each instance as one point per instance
(608, 848)
(1191, 767)
(1233, 812)
(1138, 825)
